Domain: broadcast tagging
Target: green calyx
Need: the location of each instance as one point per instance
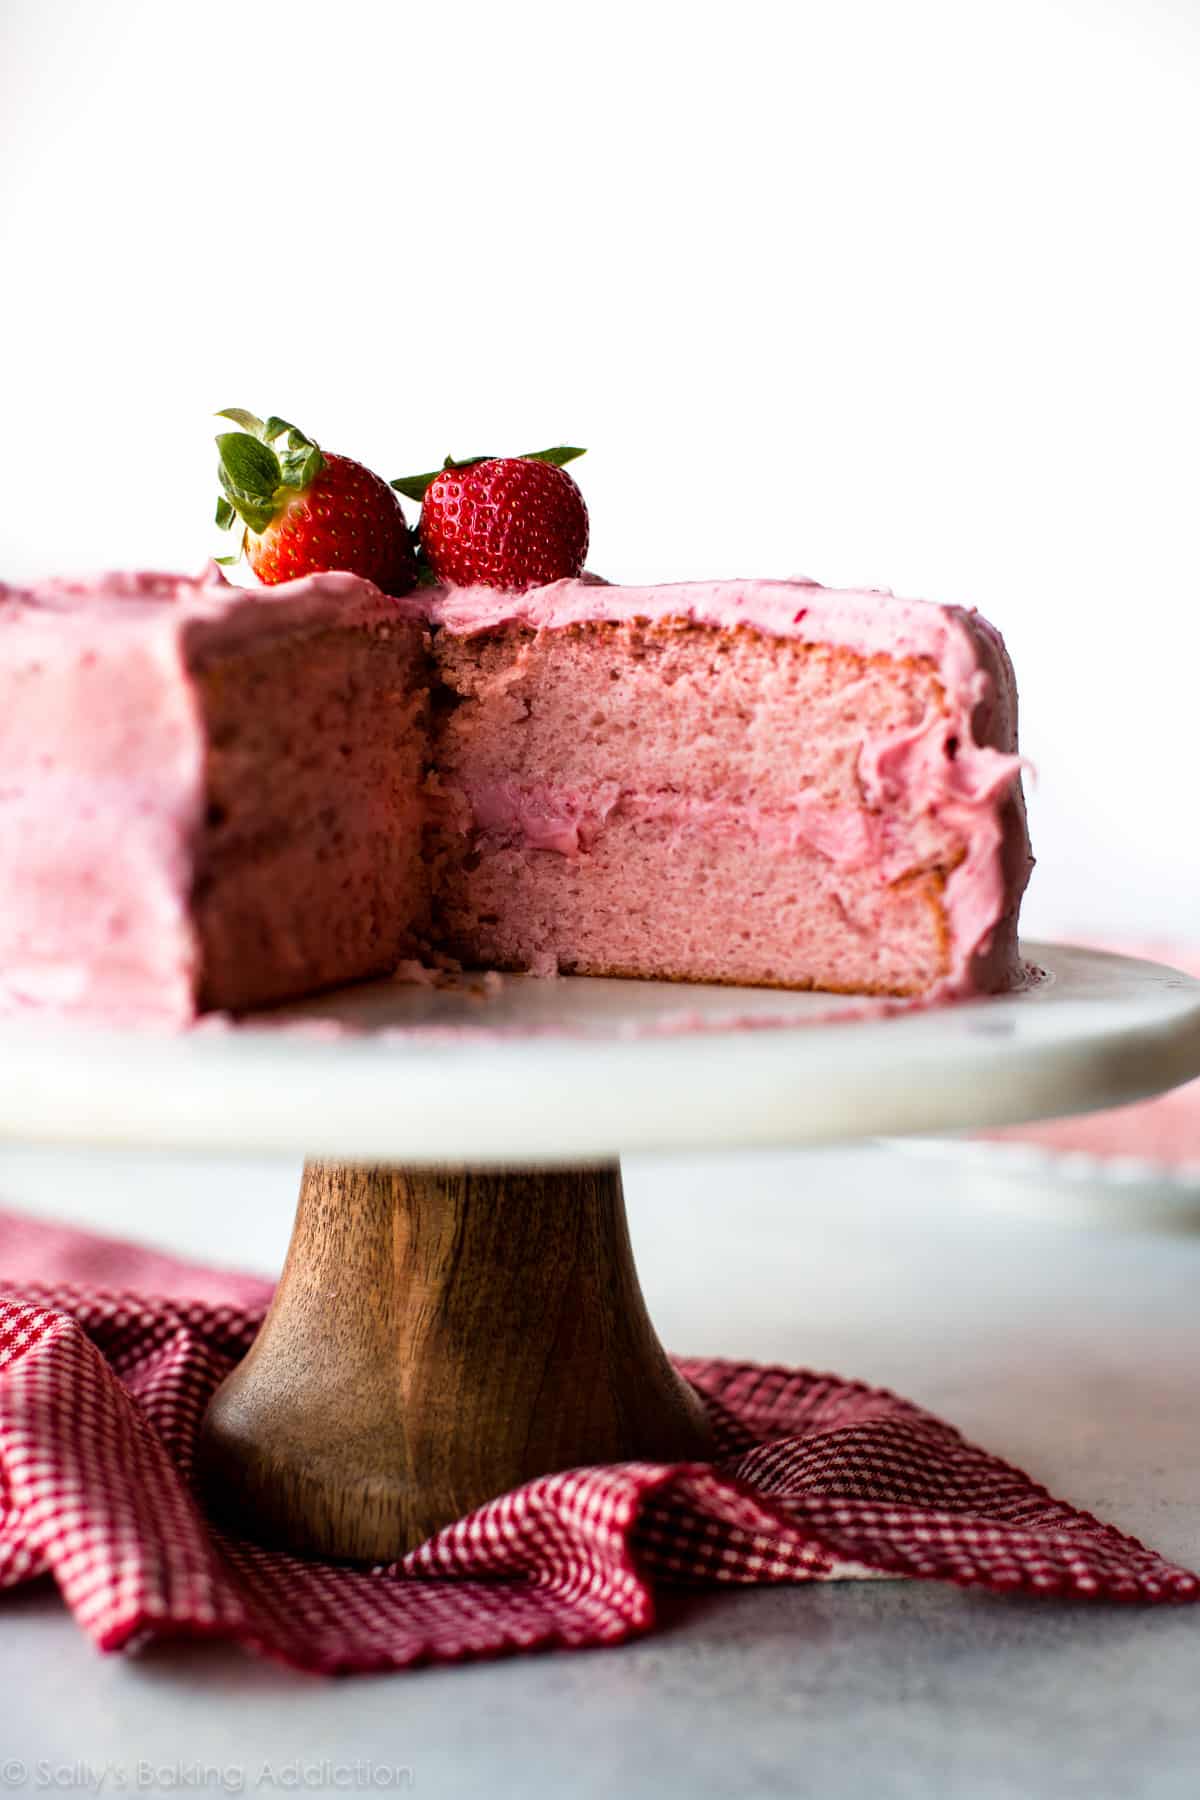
(413, 487)
(256, 478)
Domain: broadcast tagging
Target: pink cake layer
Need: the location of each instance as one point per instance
(176, 756)
(760, 781)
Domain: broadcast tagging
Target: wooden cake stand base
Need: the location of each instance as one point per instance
(439, 1336)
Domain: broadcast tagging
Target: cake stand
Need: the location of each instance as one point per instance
(459, 1310)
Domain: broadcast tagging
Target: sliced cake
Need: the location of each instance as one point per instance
(211, 796)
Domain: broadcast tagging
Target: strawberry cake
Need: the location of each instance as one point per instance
(218, 798)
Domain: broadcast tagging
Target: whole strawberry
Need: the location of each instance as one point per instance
(306, 511)
(505, 522)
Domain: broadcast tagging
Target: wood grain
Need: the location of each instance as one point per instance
(438, 1337)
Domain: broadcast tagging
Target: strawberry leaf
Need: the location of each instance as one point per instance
(227, 562)
(252, 509)
(413, 487)
(275, 427)
(255, 518)
(248, 468)
(558, 457)
(225, 514)
(302, 465)
(247, 420)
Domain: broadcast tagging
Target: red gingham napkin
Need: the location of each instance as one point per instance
(103, 1383)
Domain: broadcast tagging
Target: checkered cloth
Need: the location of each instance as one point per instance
(108, 1355)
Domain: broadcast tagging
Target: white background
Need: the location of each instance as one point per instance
(882, 292)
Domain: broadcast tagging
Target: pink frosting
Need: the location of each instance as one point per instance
(866, 620)
(100, 739)
(546, 819)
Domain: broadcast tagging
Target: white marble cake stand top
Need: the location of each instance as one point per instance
(568, 1070)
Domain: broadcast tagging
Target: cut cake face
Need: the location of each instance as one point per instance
(753, 782)
(218, 798)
